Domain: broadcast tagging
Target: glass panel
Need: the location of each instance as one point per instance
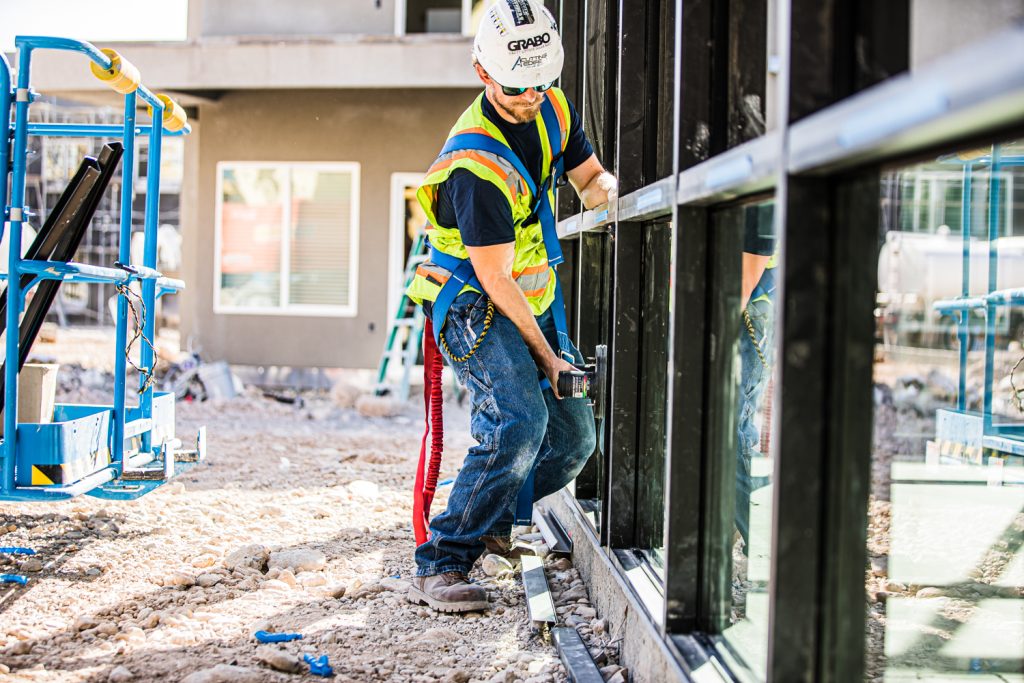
(946, 512)
(653, 393)
(321, 237)
(747, 629)
(433, 16)
(252, 213)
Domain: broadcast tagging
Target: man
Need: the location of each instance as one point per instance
(756, 349)
(488, 201)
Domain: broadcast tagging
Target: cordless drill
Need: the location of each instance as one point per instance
(587, 381)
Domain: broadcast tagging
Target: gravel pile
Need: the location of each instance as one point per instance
(299, 521)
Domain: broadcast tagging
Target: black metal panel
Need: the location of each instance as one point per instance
(694, 87)
(725, 244)
(847, 457)
(838, 47)
(570, 23)
(747, 69)
(592, 316)
(686, 416)
(662, 26)
(796, 538)
(599, 69)
(651, 469)
(624, 376)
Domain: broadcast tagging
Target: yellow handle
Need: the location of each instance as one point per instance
(174, 116)
(973, 154)
(122, 75)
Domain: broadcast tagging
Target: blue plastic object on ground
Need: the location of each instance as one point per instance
(446, 482)
(17, 551)
(13, 578)
(268, 637)
(318, 666)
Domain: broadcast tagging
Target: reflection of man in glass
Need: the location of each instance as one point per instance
(756, 342)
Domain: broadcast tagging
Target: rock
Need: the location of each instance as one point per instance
(179, 579)
(299, 560)
(561, 564)
(541, 550)
(288, 577)
(22, 647)
(586, 612)
(225, 673)
(4, 669)
(208, 580)
(337, 592)
(364, 591)
(895, 587)
(496, 565)
(84, 621)
(313, 580)
(248, 556)
(32, 564)
(345, 395)
(619, 677)
(879, 566)
(364, 489)
(390, 583)
(204, 561)
(610, 670)
(378, 406)
(929, 592)
(280, 660)
(120, 674)
(151, 620)
(573, 594)
(457, 676)
(275, 585)
(507, 676)
(107, 628)
(598, 626)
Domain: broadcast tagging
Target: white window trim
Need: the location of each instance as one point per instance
(293, 310)
(396, 239)
(400, 15)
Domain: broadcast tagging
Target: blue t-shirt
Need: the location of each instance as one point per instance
(479, 209)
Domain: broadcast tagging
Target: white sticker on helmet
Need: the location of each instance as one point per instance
(522, 14)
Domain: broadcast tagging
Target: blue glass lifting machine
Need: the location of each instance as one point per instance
(981, 437)
(114, 452)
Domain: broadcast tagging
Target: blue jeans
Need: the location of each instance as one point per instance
(515, 424)
(753, 378)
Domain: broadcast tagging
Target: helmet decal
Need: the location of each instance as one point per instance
(522, 14)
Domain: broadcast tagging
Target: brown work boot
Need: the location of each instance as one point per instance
(448, 592)
(504, 547)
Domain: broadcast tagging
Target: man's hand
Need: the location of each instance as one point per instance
(552, 366)
(592, 183)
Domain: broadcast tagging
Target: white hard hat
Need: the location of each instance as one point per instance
(518, 44)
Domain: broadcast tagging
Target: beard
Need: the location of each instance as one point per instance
(520, 111)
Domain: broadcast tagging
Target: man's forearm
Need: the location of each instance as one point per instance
(510, 300)
(600, 190)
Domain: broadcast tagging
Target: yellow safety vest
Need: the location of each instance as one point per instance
(530, 267)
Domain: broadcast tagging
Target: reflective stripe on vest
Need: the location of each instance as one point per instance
(531, 264)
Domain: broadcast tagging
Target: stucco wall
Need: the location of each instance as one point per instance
(386, 131)
(305, 18)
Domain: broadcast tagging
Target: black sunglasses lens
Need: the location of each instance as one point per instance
(545, 87)
(513, 92)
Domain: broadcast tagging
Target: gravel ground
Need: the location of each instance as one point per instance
(297, 522)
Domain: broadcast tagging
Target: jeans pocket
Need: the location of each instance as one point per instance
(484, 419)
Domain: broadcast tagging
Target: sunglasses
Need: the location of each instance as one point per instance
(515, 92)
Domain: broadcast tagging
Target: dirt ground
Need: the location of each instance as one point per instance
(299, 521)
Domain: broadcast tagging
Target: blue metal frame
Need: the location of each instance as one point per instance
(1006, 438)
(154, 284)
